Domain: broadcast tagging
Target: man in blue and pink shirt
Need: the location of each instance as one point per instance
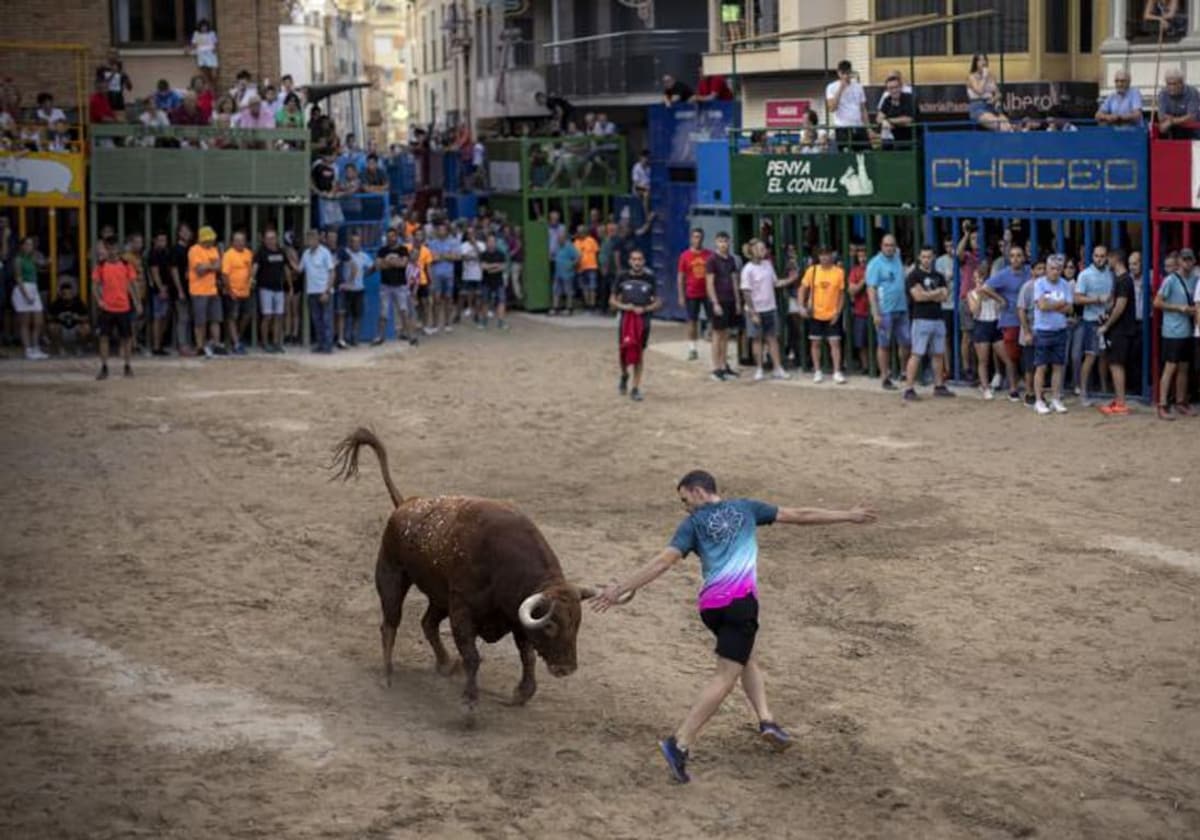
(723, 534)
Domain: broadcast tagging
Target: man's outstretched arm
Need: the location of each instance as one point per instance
(817, 516)
(662, 561)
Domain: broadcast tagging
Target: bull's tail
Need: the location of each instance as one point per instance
(345, 460)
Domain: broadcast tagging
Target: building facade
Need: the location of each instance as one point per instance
(150, 37)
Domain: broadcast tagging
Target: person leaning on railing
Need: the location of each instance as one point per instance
(897, 114)
(1178, 107)
(1123, 106)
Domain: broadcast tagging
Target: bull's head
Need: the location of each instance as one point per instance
(551, 620)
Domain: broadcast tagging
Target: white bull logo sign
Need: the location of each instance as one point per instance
(21, 177)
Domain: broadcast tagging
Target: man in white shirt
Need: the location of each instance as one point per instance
(846, 102)
(1123, 106)
(641, 179)
(603, 126)
(758, 286)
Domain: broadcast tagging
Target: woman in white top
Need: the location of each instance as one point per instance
(204, 47)
(983, 95)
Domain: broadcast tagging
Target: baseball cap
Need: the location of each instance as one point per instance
(1187, 254)
(206, 234)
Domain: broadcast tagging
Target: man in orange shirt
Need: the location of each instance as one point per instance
(236, 267)
(204, 269)
(115, 283)
(419, 251)
(589, 266)
(822, 293)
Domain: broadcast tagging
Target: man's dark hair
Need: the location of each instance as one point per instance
(844, 66)
(372, 157)
(244, 74)
(43, 98)
(698, 478)
(638, 251)
(163, 84)
(722, 235)
(1117, 254)
(109, 242)
(698, 230)
(929, 248)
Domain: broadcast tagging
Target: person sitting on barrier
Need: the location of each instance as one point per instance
(675, 92)
(896, 115)
(983, 97)
(1178, 106)
(1123, 106)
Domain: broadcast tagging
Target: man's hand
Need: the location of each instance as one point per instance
(755, 319)
(717, 310)
(861, 515)
(877, 318)
(325, 297)
(608, 598)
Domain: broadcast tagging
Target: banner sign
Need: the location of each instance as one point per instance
(949, 102)
(786, 113)
(829, 179)
(1092, 169)
(41, 179)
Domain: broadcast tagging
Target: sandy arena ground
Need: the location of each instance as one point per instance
(188, 622)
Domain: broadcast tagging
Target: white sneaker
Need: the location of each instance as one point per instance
(818, 377)
(468, 312)
(839, 377)
(758, 375)
(1058, 407)
(997, 381)
(988, 394)
(1041, 408)
(780, 373)
(448, 328)
(428, 330)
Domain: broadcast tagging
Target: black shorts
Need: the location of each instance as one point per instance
(1120, 349)
(735, 625)
(1177, 350)
(728, 319)
(694, 305)
(818, 330)
(117, 325)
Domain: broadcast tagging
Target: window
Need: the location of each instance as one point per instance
(1058, 37)
(928, 40)
(145, 22)
(1141, 31)
(984, 34)
(1085, 26)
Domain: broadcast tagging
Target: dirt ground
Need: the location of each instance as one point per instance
(188, 622)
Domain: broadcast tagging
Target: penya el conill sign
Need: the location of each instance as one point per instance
(829, 179)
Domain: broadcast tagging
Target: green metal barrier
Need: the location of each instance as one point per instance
(531, 176)
(238, 165)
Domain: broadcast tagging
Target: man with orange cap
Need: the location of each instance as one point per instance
(204, 270)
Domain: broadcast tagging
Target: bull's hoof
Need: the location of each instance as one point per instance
(449, 669)
(522, 694)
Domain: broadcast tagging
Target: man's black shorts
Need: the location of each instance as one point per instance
(694, 305)
(1176, 350)
(1120, 350)
(115, 325)
(728, 319)
(735, 625)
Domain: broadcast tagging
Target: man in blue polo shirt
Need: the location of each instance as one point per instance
(446, 251)
(1093, 290)
(889, 307)
(1004, 287)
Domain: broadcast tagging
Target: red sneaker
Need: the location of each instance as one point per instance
(1114, 408)
(1184, 410)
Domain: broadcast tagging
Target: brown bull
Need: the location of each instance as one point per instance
(481, 563)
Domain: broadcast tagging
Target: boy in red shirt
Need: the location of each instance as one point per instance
(115, 283)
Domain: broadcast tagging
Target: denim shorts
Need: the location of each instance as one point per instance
(986, 332)
(397, 299)
(495, 295)
(928, 336)
(894, 325)
(767, 325)
(161, 307)
(862, 330)
(588, 280)
(443, 284)
(1091, 337)
(1050, 347)
(270, 302)
(564, 286)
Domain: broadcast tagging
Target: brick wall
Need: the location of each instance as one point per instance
(247, 32)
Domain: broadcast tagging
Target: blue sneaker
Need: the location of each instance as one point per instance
(774, 735)
(676, 759)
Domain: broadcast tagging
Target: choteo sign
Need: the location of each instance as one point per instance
(786, 113)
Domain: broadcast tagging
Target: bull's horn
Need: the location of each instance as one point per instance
(525, 612)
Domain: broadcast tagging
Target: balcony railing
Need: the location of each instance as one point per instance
(622, 63)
